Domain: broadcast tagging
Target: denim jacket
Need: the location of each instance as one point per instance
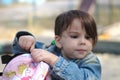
(88, 68)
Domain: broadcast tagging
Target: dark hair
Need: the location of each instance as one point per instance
(87, 21)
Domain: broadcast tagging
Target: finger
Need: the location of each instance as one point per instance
(24, 44)
(21, 42)
(28, 46)
(36, 56)
(32, 47)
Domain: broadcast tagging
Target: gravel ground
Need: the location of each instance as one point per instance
(110, 66)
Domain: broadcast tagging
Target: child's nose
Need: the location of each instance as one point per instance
(82, 41)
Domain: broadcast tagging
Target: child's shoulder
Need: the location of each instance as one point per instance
(91, 57)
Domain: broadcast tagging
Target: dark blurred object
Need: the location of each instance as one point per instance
(86, 5)
(1, 73)
(107, 47)
(6, 51)
(6, 58)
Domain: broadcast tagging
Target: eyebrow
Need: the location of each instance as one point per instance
(73, 32)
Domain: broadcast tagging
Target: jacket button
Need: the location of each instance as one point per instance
(57, 69)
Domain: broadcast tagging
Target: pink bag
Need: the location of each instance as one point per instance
(23, 67)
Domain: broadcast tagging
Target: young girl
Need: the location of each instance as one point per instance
(71, 57)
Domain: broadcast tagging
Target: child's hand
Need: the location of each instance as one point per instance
(43, 55)
(27, 42)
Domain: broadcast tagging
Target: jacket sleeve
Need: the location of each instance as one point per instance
(16, 47)
(88, 69)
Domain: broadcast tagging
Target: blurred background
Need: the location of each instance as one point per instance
(38, 16)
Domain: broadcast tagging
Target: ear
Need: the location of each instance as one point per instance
(58, 41)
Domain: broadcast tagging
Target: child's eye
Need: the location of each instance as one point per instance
(74, 36)
(87, 37)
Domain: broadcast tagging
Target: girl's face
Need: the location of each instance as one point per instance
(74, 42)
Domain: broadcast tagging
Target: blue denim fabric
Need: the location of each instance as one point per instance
(88, 68)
